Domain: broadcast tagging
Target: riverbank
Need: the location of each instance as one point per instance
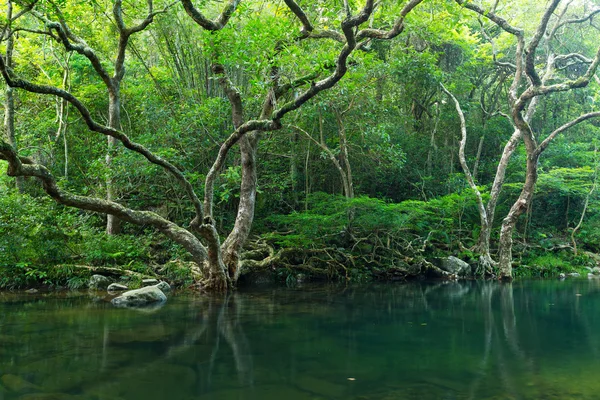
(280, 270)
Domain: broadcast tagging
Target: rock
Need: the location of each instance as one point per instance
(98, 282)
(140, 297)
(164, 286)
(31, 291)
(116, 287)
(15, 383)
(574, 274)
(300, 278)
(455, 266)
(149, 282)
(596, 270)
(561, 276)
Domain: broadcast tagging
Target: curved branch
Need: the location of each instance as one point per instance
(233, 94)
(535, 41)
(249, 126)
(580, 20)
(96, 127)
(297, 10)
(517, 32)
(461, 156)
(219, 23)
(237, 117)
(18, 166)
(396, 29)
(71, 42)
(563, 128)
(492, 16)
(341, 68)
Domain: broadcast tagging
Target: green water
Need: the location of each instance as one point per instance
(528, 340)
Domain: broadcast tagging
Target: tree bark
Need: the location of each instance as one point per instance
(509, 222)
(9, 109)
(113, 224)
(484, 248)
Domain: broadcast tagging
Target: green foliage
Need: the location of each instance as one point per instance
(539, 263)
(33, 230)
(440, 220)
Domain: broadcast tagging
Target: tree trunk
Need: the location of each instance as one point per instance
(478, 156)
(486, 231)
(508, 224)
(486, 261)
(349, 189)
(9, 109)
(113, 224)
(245, 215)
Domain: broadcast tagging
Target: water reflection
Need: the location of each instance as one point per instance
(467, 340)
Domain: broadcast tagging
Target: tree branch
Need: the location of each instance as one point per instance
(297, 10)
(563, 128)
(96, 127)
(535, 41)
(71, 42)
(396, 29)
(461, 156)
(517, 32)
(215, 25)
(16, 167)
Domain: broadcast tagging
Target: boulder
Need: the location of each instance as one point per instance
(455, 266)
(140, 297)
(596, 270)
(574, 274)
(98, 282)
(149, 282)
(561, 276)
(164, 286)
(116, 287)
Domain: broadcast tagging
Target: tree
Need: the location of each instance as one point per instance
(220, 261)
(523, 100)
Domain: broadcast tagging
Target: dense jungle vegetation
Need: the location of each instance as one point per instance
(214, 141)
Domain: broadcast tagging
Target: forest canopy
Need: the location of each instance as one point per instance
(348, 140)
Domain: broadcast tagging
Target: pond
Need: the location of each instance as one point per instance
(455, 340)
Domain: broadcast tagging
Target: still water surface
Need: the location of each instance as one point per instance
(474, 340)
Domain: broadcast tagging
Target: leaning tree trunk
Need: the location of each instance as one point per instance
(232, 246)
(485, 259)
(508, 224)
(509, 148)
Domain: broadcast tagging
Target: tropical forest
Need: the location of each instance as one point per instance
(299, 200)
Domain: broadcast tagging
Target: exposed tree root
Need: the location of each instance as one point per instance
(485, 266)
(335, 263)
